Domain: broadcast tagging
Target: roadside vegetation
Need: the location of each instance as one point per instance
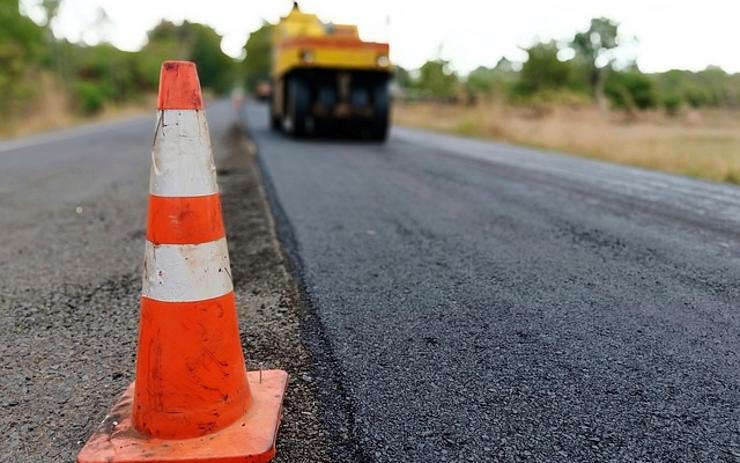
(46, 82)
(700, 143)
(592, 67)
(586, 96)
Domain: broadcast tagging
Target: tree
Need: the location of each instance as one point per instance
(195, 42)
(437, 80)
(543, 70)
(56, 56)
(484, 81)
(258, 55)
(631, 90)
(480, 81)
(51, 8)
(594, 50)
(215, 68)
(710, 87)
(21, 42)
(403, 77)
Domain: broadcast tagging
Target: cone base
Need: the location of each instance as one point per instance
(250, 439)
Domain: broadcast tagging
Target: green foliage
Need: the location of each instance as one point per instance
(488, 82)
(554, 97)
(110, 69)
(103, 74)
(436, 80)
(51, 8)
(596, 43)
(19, 32)
(258, 50)
(215, 68)
(710, 87)
(631, 90)
(544, 71)
(194, 42)
(480, 81)
(594, 50)
(402, 76)
(546, 78)
(95, 76)
(89, 96)
(21, 41)
(167, 31)
(672, 103)
(148, 62)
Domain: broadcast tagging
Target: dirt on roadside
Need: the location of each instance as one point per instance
(270, 311)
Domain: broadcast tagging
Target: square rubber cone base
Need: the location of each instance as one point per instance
(250, 439)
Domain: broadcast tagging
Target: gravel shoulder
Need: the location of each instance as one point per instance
(271, 313)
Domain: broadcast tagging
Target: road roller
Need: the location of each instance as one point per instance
(326, 80)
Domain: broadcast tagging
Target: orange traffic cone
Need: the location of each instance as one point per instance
(192, 400)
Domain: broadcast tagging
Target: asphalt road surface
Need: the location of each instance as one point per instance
(485, 302)
(464, 301)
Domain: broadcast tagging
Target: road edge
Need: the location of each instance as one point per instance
(337, 409)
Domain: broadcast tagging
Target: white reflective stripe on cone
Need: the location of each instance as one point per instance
(182, 163)
(186, 272)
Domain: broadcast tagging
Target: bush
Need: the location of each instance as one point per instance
(631, 90)
(90, 97)
(672, 103)
(21, 41)
(438, 81)
(543, 71)
(257, 49)
(563, 97)
(490, 82)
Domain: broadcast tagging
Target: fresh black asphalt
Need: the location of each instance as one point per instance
(476, 301)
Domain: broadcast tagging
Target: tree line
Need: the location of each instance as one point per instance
(591, 67)
(97, 75)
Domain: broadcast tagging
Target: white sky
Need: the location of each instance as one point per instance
(683, 34)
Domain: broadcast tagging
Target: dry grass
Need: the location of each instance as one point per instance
(703, 144)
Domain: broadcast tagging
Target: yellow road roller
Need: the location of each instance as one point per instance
(326, 80)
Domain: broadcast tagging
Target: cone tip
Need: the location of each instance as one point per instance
(179, 87)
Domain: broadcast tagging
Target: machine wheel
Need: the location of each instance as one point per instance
(274, 122)
(274, 119)
(381, 109)
(297, 111)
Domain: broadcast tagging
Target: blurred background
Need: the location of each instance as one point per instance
(648, 83)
